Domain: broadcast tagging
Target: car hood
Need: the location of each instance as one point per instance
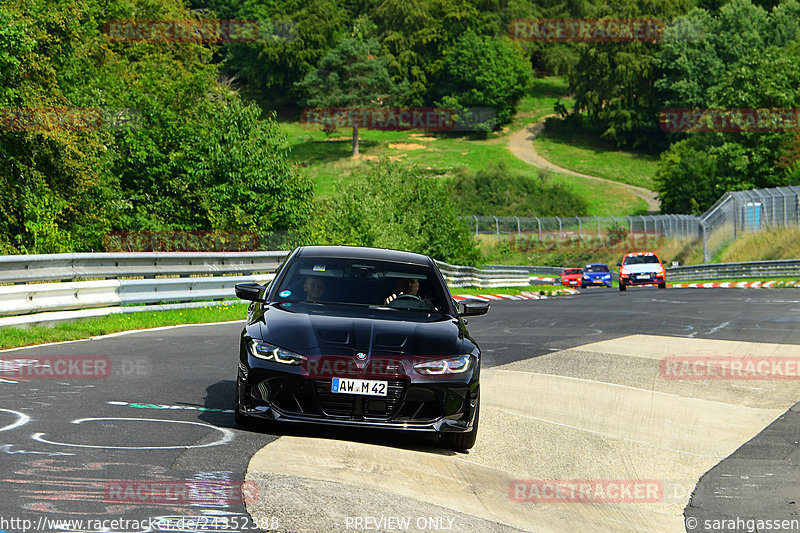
(323, 334)
(644, 268)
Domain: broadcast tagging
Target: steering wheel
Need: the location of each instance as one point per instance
(412, 298)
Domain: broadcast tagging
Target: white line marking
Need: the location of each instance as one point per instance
(716, 329)
(228, 436)
(22, 419)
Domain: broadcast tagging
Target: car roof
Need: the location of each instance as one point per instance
(596, 265)
(362, 252)
(631, 254)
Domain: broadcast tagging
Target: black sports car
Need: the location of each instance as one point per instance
(360, 337)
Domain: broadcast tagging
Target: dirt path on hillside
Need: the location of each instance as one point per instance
(521, 145)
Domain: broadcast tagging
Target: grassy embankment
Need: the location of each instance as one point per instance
(327, 159)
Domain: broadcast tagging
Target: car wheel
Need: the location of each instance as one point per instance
(662, 285)
(622, 286)
(461, 441)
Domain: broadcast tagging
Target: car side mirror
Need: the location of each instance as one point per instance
(250, 291)
(473, 308)
(619, 264)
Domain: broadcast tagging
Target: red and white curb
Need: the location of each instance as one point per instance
(737, 285)
(524, 295)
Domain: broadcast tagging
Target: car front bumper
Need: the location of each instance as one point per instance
(419, 404)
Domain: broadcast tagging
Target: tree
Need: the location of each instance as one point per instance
(350, 76)
(393, 206)
(705, 165)
(485, 72)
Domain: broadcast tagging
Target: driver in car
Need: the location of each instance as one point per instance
(404, 286)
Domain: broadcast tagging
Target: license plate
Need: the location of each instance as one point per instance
(365, 387)
(643, 276)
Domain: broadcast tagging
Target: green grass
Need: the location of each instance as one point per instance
(539, 101)
(443, 155)
(590, 155)
(13, 337)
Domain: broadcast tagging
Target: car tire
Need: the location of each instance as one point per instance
(461, 441)
(662, 285)
(622, 286)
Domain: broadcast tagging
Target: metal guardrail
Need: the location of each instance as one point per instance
(464, 276)
(182, 279)
(212, 276)
(73, 267)
(752, 269)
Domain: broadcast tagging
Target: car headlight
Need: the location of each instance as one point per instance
(270, 352)
(607, 276)
(452, 365)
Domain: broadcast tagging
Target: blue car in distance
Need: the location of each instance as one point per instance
(596, 274)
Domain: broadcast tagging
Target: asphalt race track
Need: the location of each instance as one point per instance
(575, 396)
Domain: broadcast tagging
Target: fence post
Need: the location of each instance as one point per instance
(704, 234)
(497, 227)
(518, 228)
(580, 231)
(560, 230)
(598, 227)
(785, 210)
(476, 225)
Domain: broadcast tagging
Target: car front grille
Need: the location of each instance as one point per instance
(357, 406)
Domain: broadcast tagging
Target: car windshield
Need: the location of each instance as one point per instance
(571, 271)
(596, 268)
(640, 260)
(363, 283)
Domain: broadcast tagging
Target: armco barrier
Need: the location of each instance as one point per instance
(464, 276)
(212, 276)
(61, 267)
(193, 278)
(752, 269)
